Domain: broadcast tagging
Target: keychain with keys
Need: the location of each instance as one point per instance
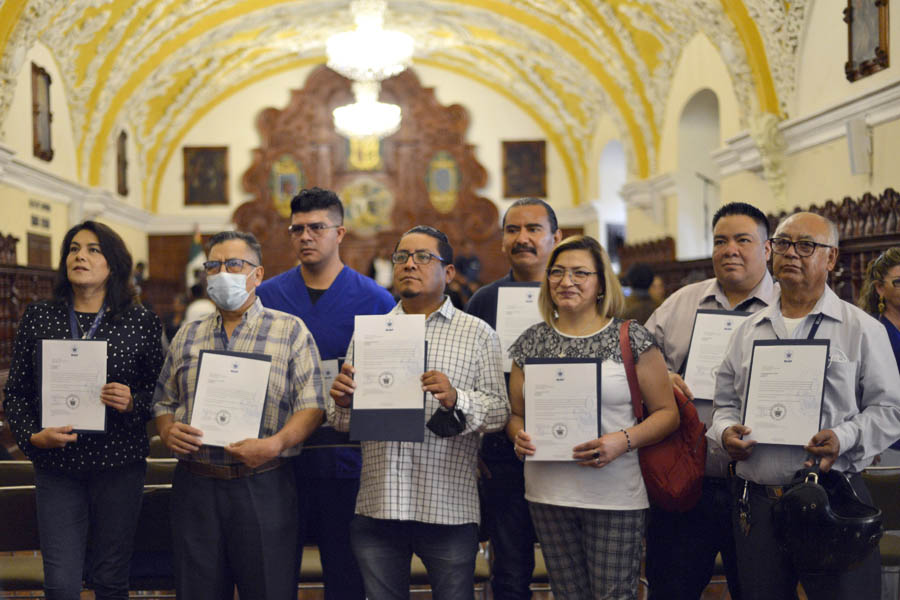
(744, 509)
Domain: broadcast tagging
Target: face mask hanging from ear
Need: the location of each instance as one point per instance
(228, 290)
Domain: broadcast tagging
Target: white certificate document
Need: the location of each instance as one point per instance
(72, 373)
(785, 391)
(517, 310)
(230, 396)
(330, 372)
(712, 332)
(562, 407)
(388, 359)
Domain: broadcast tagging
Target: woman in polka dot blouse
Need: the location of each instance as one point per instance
(89, 485)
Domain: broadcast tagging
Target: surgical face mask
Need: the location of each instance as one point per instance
(228, 290)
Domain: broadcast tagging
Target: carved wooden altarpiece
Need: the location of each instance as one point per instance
(425, 173)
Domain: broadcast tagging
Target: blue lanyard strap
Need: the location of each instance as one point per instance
(75, 326)
(815, 326)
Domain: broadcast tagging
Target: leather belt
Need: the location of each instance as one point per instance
(228, 471)
(770, 491)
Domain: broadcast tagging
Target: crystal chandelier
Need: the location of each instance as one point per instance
(367, 55)
(367, 117)
(369, 52)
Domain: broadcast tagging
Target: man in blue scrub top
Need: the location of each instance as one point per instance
(326, 295)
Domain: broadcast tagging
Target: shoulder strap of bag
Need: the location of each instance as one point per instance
(637, 400)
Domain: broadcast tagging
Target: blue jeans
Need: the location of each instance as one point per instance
(509, 527)
(87, 523)
(384, 549)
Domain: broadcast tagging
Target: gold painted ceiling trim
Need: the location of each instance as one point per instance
(756, 55)
(9, 16)
(563, 40)
(573, 47)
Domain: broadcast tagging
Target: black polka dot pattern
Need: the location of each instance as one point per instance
(134, 358)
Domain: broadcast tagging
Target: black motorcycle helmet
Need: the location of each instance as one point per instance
(823, 525)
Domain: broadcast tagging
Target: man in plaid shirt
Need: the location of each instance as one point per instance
(234, 508)
(422, 497)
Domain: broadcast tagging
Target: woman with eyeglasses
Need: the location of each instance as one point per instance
(88, 484)
(880, 294)
(590, 512)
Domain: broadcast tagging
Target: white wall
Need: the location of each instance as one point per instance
(18, 124)
(823, 52)
(493, 119)
(698, 136)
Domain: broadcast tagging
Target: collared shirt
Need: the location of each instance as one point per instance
(862, 388)
(295, 377)
(672, 325)
(434, 481)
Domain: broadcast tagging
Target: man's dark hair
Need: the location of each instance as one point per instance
(444, 247)
(640, 276)
(120, 291)
(318, 199)
(247, 238)
(742, 208)
(551, 215)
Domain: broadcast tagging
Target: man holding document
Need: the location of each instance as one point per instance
(693, 327)
(530, 231)
(809, 363)
(422, 496)
(239, 392)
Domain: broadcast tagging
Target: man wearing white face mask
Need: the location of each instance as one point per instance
(234, 509)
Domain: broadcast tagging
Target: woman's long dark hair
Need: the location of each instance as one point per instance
(120, 292)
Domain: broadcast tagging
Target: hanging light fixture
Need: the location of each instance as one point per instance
(367, 55)
(369, 52)
(367, 117)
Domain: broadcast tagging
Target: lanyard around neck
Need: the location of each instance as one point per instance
(75, 327)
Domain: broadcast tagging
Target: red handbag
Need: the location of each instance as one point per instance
(672, 468)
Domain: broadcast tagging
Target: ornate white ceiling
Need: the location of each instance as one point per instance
(156, 66)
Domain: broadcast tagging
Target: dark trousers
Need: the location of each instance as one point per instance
(327, 507)
(682, 547)
(509, 527)
(384, 549)
(766, 572)
(87, 524)
(235, 532)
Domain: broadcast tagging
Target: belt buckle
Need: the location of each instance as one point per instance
(774, 491)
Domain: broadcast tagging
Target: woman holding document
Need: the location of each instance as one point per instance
(589, 510)
(83, 422)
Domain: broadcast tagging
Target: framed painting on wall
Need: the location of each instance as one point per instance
(867, 37)
(524, 169)
(205, 175)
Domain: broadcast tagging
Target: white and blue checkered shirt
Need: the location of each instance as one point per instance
(434, 481)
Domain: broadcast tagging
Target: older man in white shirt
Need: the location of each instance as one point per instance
(860, 412)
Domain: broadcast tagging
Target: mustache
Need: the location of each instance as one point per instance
(523, 248)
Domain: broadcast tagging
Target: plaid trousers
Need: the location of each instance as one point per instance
(590, 554)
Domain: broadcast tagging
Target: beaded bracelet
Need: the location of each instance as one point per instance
(627, 440)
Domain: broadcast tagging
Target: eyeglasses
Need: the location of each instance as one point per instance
(232, 265)
(804, 248)
(895, 283)
(315, 229)
(556, 274)
(420, 257)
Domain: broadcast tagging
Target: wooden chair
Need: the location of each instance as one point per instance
(16, 473)
(19, 533)
(151, 563)
(884, 485)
